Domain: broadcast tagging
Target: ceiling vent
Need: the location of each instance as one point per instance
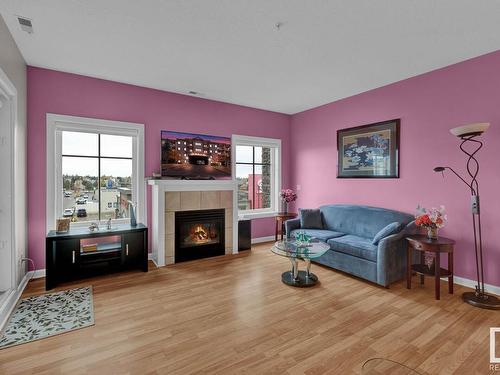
(25, 24)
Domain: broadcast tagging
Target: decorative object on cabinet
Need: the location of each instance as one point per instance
(62, 225)
(431, 219)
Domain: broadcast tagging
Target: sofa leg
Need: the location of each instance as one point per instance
(386, 287)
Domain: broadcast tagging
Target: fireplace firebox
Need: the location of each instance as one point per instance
(199, 234)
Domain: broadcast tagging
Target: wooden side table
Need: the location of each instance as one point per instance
(280, 219)
(423, 244)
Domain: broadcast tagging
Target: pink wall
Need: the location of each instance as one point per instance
(62, 93)
(428, 105)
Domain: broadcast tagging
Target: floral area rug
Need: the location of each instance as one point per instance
(47, 315)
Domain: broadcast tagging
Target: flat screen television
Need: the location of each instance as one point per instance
(195, 156)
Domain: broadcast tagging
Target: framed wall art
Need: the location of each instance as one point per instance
(369, 151)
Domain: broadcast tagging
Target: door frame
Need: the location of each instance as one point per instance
(9, 90)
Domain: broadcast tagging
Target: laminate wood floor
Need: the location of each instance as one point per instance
(232, 314)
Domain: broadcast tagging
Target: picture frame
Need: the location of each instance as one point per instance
(62, 225)
(369, 151)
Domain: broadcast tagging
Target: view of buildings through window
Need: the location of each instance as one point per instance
(253, 173)
(97, 176)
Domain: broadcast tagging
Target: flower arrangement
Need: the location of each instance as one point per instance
(288, 195)
(432, 219)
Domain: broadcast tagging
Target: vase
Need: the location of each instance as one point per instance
(284, 207)
(432, 233)
(133, 220)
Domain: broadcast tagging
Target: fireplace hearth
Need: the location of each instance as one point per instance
(199, 234)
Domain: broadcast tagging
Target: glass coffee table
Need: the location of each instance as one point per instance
(296, 251)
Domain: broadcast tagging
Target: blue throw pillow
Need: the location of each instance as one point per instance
(386, 231)
(310, 219)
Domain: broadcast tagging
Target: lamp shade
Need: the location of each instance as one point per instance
(470, 129)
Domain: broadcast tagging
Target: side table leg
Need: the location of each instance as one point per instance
(437, 273)
(408, 267)
(276, 231)
(422, 262)
(450, 269)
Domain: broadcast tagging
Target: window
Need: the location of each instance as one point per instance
(95, 168)
(96, 173)
(257, 171)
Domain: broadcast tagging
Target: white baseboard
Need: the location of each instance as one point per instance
(472, 284)
(37, 274)
(11, 301)
(262, 239)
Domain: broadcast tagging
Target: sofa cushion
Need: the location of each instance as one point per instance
(310, 218)
(320, 234)
(389, 229)
(356, 246)
(362, 221)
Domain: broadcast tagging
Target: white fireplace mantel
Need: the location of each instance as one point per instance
(160, 186)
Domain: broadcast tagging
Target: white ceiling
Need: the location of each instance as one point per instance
(230, 50)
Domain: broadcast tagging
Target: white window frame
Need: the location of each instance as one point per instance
(275, 145)
(56, 124)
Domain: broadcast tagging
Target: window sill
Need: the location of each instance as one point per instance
(256, 215)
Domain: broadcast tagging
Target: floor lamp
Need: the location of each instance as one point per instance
(469, 134)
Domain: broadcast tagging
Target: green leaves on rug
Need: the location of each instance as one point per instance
(47, 315)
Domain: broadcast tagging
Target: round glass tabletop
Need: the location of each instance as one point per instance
(300, 250)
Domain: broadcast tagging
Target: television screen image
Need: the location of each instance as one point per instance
(195, 155)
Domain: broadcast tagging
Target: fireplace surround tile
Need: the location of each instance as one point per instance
(210, 200)
(226, 199)
(170, 222)
(229, 240)
(169, 248)
(172, 201)
(228, 217)
(190, 200)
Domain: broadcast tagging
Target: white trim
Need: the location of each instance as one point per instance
(8, 307)
(256, 214)
(38, 274)
(262, 239)
(472, 284)
(193, 185)
(58, 123)
(275, 145)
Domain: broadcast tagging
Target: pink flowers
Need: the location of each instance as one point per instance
(288, 195)
(433, 218)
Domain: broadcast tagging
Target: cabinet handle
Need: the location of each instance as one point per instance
(126, 249)
(73, 257)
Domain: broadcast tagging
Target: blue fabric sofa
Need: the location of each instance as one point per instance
(350, 232)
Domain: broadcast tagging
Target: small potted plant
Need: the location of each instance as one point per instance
(432, 219)
(287, 196)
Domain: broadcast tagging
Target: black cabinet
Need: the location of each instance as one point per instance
(244, 235)
(81, 253)
(133, 253)
(67, 257)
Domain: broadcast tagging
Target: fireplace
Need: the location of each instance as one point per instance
(199, 234)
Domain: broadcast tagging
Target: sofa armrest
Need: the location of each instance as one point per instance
(392, 256)
(290, 225)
